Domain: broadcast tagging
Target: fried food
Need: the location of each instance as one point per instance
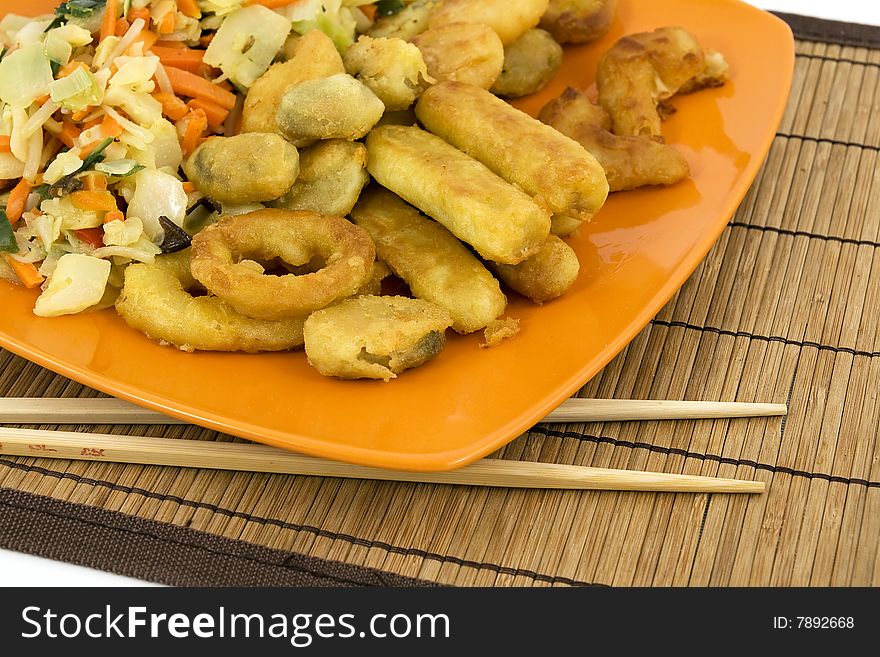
(501, 222)
(499, 330)
(311, 56)
(563, 225)
(230, 257)
(578, 21)
(641, 71)
(370, 337)
(406, 23)
(546, 164)
(530, 62)
(548, 274)
(510, 20)
(629, 162)
(393, 69)
(156, 300)
(332, 174)
(466, 52)
(336, 107)
(435, 265)
(247, 168)
(714, 74)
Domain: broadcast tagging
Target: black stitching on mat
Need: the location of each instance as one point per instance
(802, 233)
(766, 338)
(836, 60)
(833, 142)
(669, 451)
(203, 548)
(308, 529)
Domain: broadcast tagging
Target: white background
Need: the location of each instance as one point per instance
(24, 570)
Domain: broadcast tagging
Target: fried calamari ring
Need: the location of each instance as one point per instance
(155, 300)
(229, 258)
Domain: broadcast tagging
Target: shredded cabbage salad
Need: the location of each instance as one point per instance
(100, 102)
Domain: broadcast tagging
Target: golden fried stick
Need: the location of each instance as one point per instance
(510, 20)
(642, 70)
(501, 222)
(578, 21)
(546, 164)
(544, 276)
(435, 265)
(629, 162)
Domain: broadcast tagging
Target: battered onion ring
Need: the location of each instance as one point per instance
(155, 301)
(224, 255)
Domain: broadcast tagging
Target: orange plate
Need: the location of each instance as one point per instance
(470, 401)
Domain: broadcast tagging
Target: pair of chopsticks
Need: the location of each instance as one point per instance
(260, 458)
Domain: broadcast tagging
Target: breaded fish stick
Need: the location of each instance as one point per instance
(560, 173)
(544, 276)
(501, 222)
(435, 265)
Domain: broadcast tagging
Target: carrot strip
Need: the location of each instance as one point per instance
(166, 23)
(146, 37)
(94, 237)
(69, 68)
(69, 133)
(4, 144)
(97, 200)
(182, 58)
(175, 45)
(206, 39)
(88, 148)
(196, 122)
(134, 14)
(188, 84)
(17, 200)
(109, 127)
(189, 187)
(94, 182)
(172, 107)
(114, 215)
(369, 11)
(189, 8)
(92, 123)
(272, 4)
(215, 114)
(26, 271)
(108, 23)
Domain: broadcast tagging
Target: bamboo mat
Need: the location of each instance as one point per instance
(785, 307)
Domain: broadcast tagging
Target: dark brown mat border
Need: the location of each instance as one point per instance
(845, 34)
(164, 553)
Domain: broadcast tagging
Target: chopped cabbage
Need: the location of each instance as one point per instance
(64, 164)
(119, 168)
(163, 151)
(77, 283)
(246, 43)
(71, 217)
(10, 166)
(25, 75)
(76, 91)
(142, 108)
(135, 73)
(157, 194)
(220, 7)
(47, 228)
(123, 233)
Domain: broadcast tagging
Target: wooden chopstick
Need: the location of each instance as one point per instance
(260, 458)
(102, 410)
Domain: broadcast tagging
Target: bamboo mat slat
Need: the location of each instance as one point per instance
(786, 306)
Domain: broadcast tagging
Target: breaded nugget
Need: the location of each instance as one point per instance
(374, 337)
(335, 107)
(642, 70)
(629, 162)
(510, 20)
(406, 23)
(578, 21)
(543, 162)
(501, 222)
(331, 176)
(548, 274)
(393, 69)
(435, 265)
(466, 52)
(530, 62)
(714, 74)
(312, 56)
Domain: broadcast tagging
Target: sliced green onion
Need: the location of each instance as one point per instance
(119, 168)
(7, 235)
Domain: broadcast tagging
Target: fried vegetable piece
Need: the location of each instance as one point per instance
(641, 71)
(563, 225)
(230, 257)
(336, 107)
(578, 21)
(543, 162)
(530, 62)
(714, 74)
(501, 222)
(156, 300)
(466, 52)
(332, 174)
(510, 20)
(393, 69)
(498, 331)
(405, 24)
(311, 56)
(370, 337)
(548, 274)
(629, 162)
(435, 265)
(246, 168)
